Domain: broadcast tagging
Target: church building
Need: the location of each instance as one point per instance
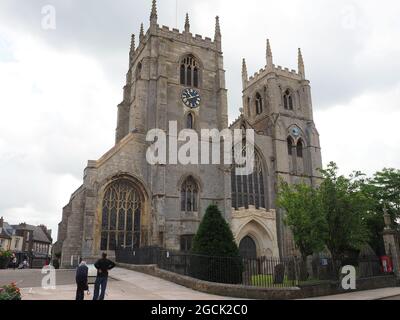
(179, 76)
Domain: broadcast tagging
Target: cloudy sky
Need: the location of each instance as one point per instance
(59, 88)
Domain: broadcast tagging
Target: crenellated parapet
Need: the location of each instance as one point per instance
(272, 69)
(277, 70)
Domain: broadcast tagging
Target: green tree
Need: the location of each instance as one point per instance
(214, 237)
(303, 207)
(383, 189)
(345, 208)
(215, 253)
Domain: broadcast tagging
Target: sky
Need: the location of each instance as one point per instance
(59, 86)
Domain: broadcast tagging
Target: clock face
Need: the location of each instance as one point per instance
(296, 132)
(191, 98)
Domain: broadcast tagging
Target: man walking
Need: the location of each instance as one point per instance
(103, 265)
(81, 281)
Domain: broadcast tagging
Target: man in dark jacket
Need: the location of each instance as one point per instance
(81, 281)
(103, 265)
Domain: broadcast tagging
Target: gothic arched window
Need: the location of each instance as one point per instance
(259, 104)
(189, 195)
(139, 70)
(189, 121)
(290, 146)
(121, 216)
(189, 72)
(288, 100)
(249, 190)
(299, 149)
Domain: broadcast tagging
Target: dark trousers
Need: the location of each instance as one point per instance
(80, 290)
(101, 283)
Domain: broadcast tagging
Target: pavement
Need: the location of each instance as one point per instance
(377, 294)
(123, 285)
(130, 285)
(28, 278)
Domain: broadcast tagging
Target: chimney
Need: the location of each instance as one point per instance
(1, 222)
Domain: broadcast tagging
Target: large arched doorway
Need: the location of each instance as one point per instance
(121, 216)
(248, 248)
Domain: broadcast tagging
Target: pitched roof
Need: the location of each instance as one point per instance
(38, 232)
(4, 234)
(40, 235)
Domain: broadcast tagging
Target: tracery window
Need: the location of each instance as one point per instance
(288, 100)
(121, 216)
(189, 72)
(138, 73)
(299, 149)
(290, 146)
(249, 190)
(189, 195)
(259, 104)
(186, 242)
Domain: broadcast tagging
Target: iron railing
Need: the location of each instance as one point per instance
(261, 272)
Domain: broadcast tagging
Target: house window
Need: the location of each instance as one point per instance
(189, 72)
(186, 242)
(189, 194)
(121, 216)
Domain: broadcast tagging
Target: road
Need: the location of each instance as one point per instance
(392, 298)
(123, 285)
(30, 278)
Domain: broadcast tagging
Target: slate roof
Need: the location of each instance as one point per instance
(4, 234)
(38, 233)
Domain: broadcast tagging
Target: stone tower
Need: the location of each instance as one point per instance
(277, 104)
(176, 84)
(126, 201)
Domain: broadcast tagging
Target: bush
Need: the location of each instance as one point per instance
(10, 292)
(215, 253)
(5, 257)
(214, 237)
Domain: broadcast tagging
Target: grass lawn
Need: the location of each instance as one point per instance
(267, 281)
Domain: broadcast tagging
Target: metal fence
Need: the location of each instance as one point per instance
(262, 272)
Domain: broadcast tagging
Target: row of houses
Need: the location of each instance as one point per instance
(25, 238)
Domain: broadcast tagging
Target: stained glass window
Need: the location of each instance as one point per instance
(249, 190)
(189, 194)
(120, 215)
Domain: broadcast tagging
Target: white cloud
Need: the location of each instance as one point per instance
(57, 111)
(363, 134)
(59, 90)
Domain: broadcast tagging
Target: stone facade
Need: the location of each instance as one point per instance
(152, 98)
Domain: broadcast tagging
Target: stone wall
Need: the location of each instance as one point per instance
(243, 292)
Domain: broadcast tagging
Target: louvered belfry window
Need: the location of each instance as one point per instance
(189, 72)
